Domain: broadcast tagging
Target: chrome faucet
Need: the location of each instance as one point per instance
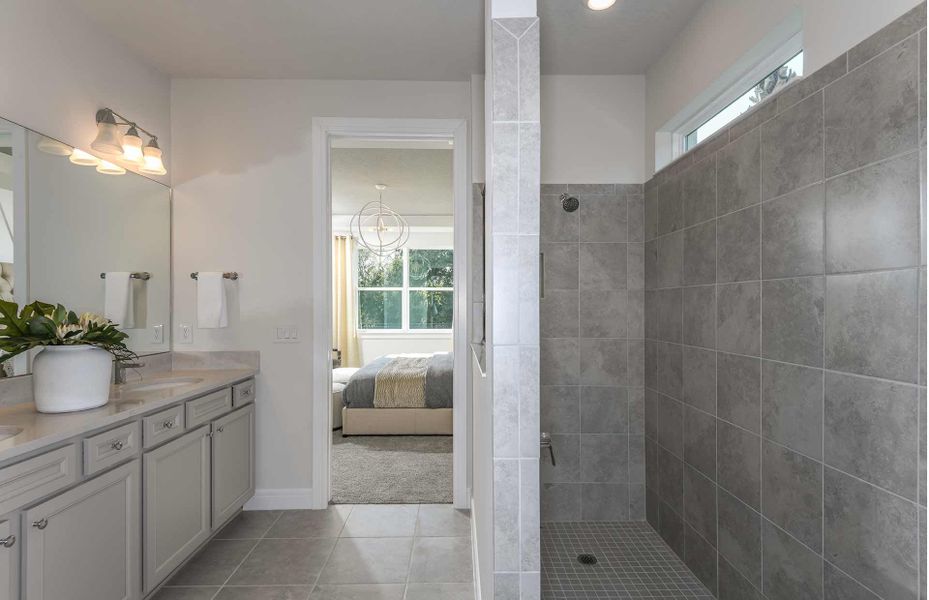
(119, 370)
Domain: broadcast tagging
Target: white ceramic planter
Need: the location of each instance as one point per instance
(70, 378)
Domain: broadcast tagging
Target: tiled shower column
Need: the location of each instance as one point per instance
(513, 261)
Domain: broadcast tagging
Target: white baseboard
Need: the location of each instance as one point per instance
(474, 558)
(281, 499)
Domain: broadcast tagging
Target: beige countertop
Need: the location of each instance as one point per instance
(40, 430)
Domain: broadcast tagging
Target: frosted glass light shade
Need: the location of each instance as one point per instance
(152, 163)
(132, 146)
(600, 4)
(108, 168)
(50, 146)
(108, 140)
(79, 157)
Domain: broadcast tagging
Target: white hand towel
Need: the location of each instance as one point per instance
(211, 301)
(117, 303)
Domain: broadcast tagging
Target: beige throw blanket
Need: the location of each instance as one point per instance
(402, 383)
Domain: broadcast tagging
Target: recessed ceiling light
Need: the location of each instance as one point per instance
(600, 4)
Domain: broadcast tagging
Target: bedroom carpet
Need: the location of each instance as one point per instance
(402, 469)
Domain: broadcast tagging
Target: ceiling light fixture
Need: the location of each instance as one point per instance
(600, 4)
(111, 142)
(378, 228)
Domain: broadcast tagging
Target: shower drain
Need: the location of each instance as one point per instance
(587, 559)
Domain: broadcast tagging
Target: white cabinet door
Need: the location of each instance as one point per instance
(9, 558)
(233, 462)
(84, 544)
(177, 503)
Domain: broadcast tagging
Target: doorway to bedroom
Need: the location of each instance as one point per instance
(393, 294)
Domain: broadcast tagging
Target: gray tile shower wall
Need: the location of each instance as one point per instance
(592, 329)
(785, 340)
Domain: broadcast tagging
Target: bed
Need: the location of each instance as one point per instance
(399, 394)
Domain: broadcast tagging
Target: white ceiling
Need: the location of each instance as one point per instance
(425, 40)
(419, 181)
(623, 40)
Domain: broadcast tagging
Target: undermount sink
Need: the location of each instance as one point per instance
(161, 384)
(8, 432)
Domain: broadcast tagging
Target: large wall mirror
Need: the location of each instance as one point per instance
(65, 226)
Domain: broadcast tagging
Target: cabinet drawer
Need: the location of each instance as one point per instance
(206, 408)
(163, 426)
(112, 447)
(243, 393)
(31, 479)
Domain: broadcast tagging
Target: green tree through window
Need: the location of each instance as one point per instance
(412, 289)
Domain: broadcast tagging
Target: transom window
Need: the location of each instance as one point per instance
(770, 84)
(409, 290)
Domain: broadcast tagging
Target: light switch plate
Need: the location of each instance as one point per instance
(186, 334)
(285, 334)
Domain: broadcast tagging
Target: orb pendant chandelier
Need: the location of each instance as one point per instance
(378, 228)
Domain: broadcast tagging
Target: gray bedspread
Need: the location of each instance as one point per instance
(359, 392)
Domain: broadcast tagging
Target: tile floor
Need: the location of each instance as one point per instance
(633, 563)
(360, 552)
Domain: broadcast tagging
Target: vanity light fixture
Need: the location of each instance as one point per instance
(53, 147)
(151, 159)
(84, 159)
(600, 4)
(132, 146)
(111, 141)
(107, 168)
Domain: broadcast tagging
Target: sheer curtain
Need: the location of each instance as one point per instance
(344, 336)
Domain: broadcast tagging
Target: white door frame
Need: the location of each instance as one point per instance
(324, 130)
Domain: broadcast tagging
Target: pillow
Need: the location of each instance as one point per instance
(343, 374)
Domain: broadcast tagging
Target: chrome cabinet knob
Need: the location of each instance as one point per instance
(169, 424)
(40, 524)
(220, 429)
(117, 445)
(8, 541)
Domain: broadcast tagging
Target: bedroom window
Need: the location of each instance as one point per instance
(411, 290)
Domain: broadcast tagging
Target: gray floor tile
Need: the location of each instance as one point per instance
(441, 560)
(310, 523)
(284, 562)
(215, 563)
(273, 592)
(383, 520)
(440, 591)
(442, 520)
(249, 525)
(186, 593)
(368, 560)
(389, 591)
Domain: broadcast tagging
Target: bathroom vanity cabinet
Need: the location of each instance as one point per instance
(111, 514)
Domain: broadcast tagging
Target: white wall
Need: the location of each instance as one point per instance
(59, 68)
(593, 128)
(242, 201)
(723, 31)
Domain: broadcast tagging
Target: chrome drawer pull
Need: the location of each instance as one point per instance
(219, 429)
(40, 524)
(8, 541)
(117, 445)
(247, 392)
(168, 424)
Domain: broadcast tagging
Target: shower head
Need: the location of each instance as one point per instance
(569, 203)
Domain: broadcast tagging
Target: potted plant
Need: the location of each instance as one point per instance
(74, 369)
